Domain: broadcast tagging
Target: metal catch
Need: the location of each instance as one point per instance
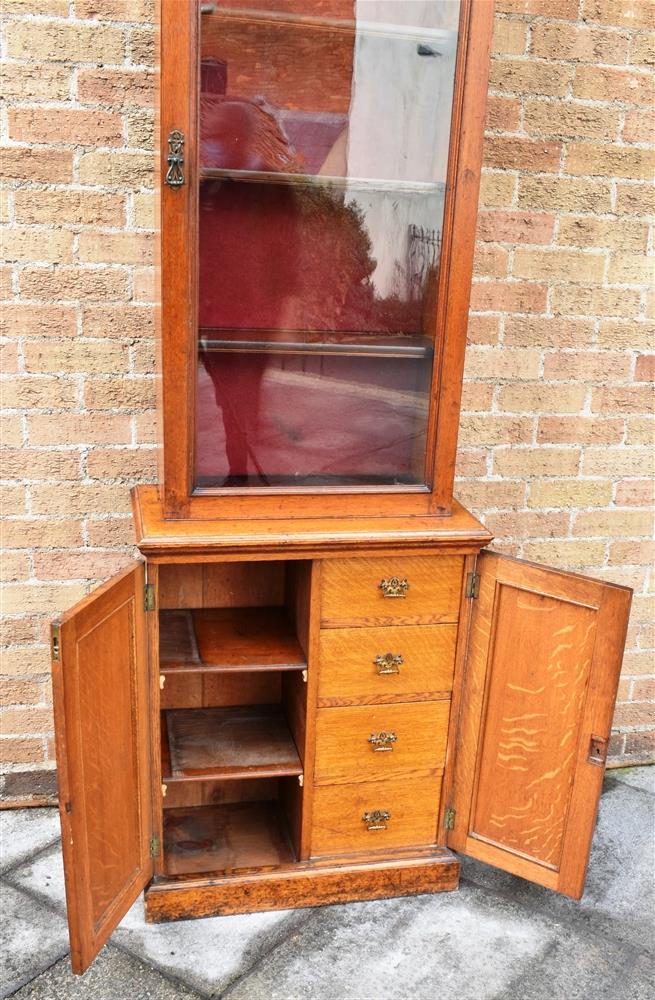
(381, 742)
(377, 819)
(597, 750)
(388, 663)
(394, 587)
(175, 159)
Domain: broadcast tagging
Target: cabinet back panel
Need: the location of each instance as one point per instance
(207, 793)
(221, 585)
(210, 690)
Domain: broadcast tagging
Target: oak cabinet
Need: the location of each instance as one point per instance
(234, 732)
(319, 684)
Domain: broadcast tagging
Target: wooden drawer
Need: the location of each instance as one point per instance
(345, 751)
(414, 662)
(372, 591)
(339, 826)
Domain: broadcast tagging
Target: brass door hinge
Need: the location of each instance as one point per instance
(149, 597)
(154, 847)
(56, 641)
(472, 585)
(449, 818)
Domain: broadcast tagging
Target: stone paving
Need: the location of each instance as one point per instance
(498, 938)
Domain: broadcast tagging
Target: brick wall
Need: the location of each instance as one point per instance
(557, 436)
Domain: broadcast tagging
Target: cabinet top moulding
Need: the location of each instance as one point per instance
(164, 540)
(246, 445)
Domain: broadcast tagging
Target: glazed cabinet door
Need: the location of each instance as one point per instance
(543, 664)
(99, 671)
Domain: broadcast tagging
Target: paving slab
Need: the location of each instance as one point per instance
(42, 876)
(638, 777)
(580, 967)
(23, 832)
(457, 945)
(31, 938)
(113, 976)
(207, 953)
(619, 898)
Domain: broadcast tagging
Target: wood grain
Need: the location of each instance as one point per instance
(544, 662)
(300, 885)
(222, 539)
(339, 827)
(100, 685)
(345, 755)
(229, 639)
(228, 743)
(221, 585)
(226, 838)
(216, 690)
(348, 674)
(351, 592)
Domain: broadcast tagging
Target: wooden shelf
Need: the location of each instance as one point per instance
(227, 640)
(241, 835)
(200, 744)
(322, 343)
(379, 185)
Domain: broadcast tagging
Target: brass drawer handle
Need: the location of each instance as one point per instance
(377, 819)
(394, 587)
(382, 741)
(389, 663)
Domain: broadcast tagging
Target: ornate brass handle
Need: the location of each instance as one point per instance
(175, 159)
(377, 819)
(389, 663)
(394, 587)
(382, 741)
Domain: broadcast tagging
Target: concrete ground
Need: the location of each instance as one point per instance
(498, 938)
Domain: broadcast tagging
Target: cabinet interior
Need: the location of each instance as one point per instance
(233, 710)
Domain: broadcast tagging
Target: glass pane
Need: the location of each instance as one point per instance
(324, 128)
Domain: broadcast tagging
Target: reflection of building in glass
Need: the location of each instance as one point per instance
(422, 257)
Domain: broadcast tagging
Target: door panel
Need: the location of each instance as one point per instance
(101, 726)
(543, 664)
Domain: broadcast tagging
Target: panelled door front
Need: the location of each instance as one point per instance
(543, 665)
(100, 688)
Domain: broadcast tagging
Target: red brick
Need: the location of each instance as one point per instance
(515, 227)
(645, 368)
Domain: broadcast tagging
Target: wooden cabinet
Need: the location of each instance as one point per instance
(236, 733)
(319, 685)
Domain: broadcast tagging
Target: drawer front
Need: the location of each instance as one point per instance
(394, 590)
(396, 663)
(380, 742)
(339, 826)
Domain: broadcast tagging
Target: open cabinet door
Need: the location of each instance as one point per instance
(99, 671)
(543, 663)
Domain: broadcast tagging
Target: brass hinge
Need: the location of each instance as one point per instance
(449, 818)
(472, 585)
(149, 597)
(55, 641)
(154, 847)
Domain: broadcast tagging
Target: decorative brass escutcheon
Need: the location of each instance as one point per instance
(380, 742)
(377, 819)
(175, 159)
(388, 663)
(394, 587)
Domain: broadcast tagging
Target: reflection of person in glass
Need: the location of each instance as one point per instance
(248, 251)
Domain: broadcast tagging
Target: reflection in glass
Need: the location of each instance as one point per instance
(324, 129)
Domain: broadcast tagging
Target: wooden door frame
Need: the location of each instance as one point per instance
(179, 228)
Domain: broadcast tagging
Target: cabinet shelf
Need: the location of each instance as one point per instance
(216, 640)
(204, 744)
(228, 837)
(341, 344)
(348, 184)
